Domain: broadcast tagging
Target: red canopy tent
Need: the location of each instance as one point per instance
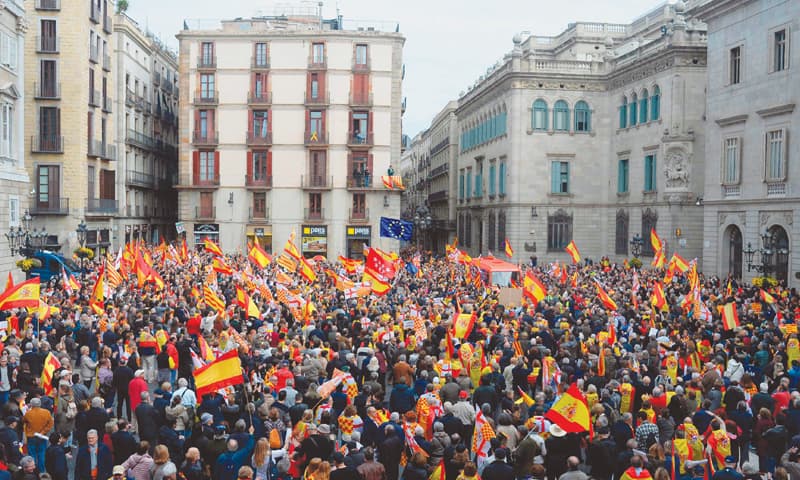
(495, 271)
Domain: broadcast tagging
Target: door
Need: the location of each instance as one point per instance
(317, 169)
(734, 236)
(48, 187)
(49, 129)
(48, 78)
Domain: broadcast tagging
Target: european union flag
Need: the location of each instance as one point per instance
(396, 228)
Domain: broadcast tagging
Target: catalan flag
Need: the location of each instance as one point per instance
(766, 297)
(223, 372)
(21, 295)
(212, 247)
(730, 317)
(509, 250)
(573, 252)
(114, 278)
(533, 288)
(571, 411)
(607, 301)
(287, 262)
(212, 300)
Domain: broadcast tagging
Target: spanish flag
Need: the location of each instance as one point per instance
(524, 397)
(290, 247)
(10, 281)
(766, 296)
(212, 300)
(659, 259)
(655, 241)
(51, 364)
(306, 271)
(223, 372)
(607, 301)
(678, 263)
(350, 265)
(21, 295)
(206, 353)
(601, 363)
(571, 412)
(632, 474)
(97, 301)
(212, 247)
(463, 324)
(438, 472)
(572, 249)
(659, 300)
(219, 266)
(379, 286)
(509, 250)
(533, 288)
(730, 318)
(258, 256)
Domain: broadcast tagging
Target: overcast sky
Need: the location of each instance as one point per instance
(449, 43)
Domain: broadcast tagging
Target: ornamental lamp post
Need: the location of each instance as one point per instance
(636, 245)
(422, 222)
(81, 232)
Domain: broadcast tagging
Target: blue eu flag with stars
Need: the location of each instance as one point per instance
(396, 228)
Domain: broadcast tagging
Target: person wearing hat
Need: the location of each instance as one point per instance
(729, 472)
(560, 446)
(118, 473)
(9, 438)
(498, 469)
(37, 424)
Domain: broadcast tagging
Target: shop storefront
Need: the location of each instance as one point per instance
(314, 240)
(263, 234)
(205, 230)
(357, 238)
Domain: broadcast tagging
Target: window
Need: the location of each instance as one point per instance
(650, 173)
(775, 155)
(48, 38)
(207, 172)
(730, 161)
(315, 86)
(48, 78)
(8, 51)
(779, 57)
(492, 178)
(501, 228)
(623, 113)
(207, 85)
(559, 230)
(7, 130)
(315, 205)
(49, 129)
(259, 205)
(205, 120)
(318, 53)
(315, 123)
(207, 53)
(90, 187)
(48, 186)
(13, 211)
(259, 166)
(621, 233)
(469, 183)
(361, 55)
(206, 210)
(643, 107)
(492, 228)
(582, 117)
(559, 177)
(632, 111)
(655, 103)
(359, 203)
(735, 67)
(502, 182)
(623, 174)
(260, 55)
(259, 85)
(561, 116)
(649, 223)
(360, 127)
(461, 186)
(318, 168)
(260, 123)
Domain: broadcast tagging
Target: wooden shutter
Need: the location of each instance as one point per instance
(253, 83)
(109, 181)
(350, 130)
(269, 164)
(250, 127)
(196, 127)
(195, 167)
(211, 122)
(308, 124)
(250, 165)
(216, 166)
(369, 123)
(369, 166)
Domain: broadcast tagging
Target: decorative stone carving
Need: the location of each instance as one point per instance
(723, 217)
(676, 169)
(763, 218)
(22, 25)
(788, 217)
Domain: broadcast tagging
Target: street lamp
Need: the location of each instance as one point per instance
(769, 248)
(636, 245)
(422, 221)
(24, 240)
(81, 231)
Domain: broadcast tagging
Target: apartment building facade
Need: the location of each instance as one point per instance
(593, 135)
(69, 125)
(752, 188)
(146, 121)
(14, 180)
(287, 125)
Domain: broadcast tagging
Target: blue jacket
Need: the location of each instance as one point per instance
(402, 398)
(83, 463)
(229, 463)
(55, 462)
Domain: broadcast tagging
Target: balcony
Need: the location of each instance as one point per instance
(107, 102)
(156, 78)
(206, 98)
(101, 206)
(144, 105)
(731, 190)
(53, 206)
(316, 182)
(359, 215)
(316, 63)
(259, 98)
(315, 138)
(107, 24)
(321, 99)
(361, 67)
(110, 153)
(167, 86)
(259, 138)
(205, 138)
(47, 144)
(139, 179)
(313, 214)
(94, 98)
(205, 213)
(107, 63)
(359, 182)
(259, 62)
(139, 140)
(260, 215)
(47, 44)
(47, 91)
(94, 55)
(94, 13)
(439, 196)
(52, 5)
(130, 98)
(194, 182)
(207, 62)
(258, 182)
(361, 99)
(359, 139)
(776, 189)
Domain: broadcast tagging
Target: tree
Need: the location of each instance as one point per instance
(122, 6)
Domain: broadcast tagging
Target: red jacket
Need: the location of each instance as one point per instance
(283, 374)
(193, 325)
(135, 389)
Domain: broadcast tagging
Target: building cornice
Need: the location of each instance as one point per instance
(269, 35)
(724, 122)
(777, 110)
(709, 10)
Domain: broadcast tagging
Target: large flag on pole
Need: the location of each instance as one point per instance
(573, 252)
(571, 411)
(21, 295)
(482, 436)
(222, 372)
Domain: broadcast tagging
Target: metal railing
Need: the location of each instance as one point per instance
(53, 206)
(315, 138)
(139, 139)
(313, 214)
(47, 44)
(259, 62)
(47, 144)
(156, 78)
(205, 213)
(253, 180)
(94, 98)
(207, 61)
(322, 98)
(107, 63)
(47, 91)
(205, 138)
(262, 215)
(361, 99)
(259, 138)
(322, 182)
(194, 180)
(359, 138)
(359, 215)
(110, 152)
(206, 98)
(107, 102)
(141, 179)
(259, 98)
(361, 67)
(102, 205)
(359, 181)
(130, 98)
(47, 5)
(317, 63)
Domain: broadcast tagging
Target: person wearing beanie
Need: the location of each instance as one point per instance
(37, 424)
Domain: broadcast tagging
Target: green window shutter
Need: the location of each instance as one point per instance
(555, 175)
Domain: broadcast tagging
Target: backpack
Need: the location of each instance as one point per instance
(275, 439)
(650, 439)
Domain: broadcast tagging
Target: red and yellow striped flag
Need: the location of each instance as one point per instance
(212, 300)
(571, 412)
(730, 317)
(766, 297)
(607, 301)
(223, 372)
(509, 250)
(573, 252)
(21, 295)
(533, 288)
(212, 247)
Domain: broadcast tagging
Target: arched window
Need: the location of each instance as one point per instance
(539, 120)
(655, 103)
(623, 113)
(582, 117)
(632, 111)
(561, 116)
(643, 107)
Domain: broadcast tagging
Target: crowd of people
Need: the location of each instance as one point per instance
(384, 387)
